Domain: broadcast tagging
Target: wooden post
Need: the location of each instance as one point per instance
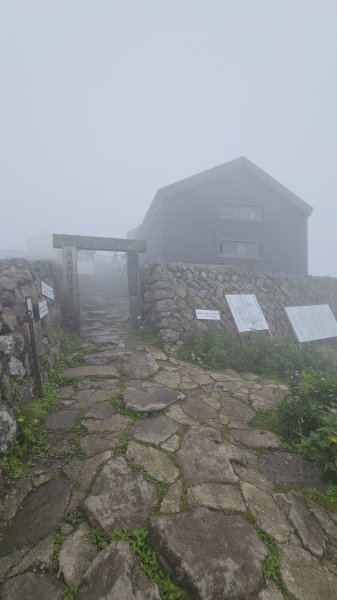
(134, 287)
(38, 378)
(70, 286)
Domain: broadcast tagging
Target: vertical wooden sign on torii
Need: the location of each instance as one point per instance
(70, 244)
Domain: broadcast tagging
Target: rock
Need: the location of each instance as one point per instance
(46, 465)
(170, 379)
(82, 473)
(199, 410)
(171, 501)
(177, 414)
(86, 398)
(120, 498)
(204, 458)
(8, 320)
(7, 427)
(286, 468)
(304, 577)
(65, 393)
(96, 444)
(256, 438)
(236, 410)
(33, 586)
(41, 512)
(271, 593)
(91, 371)
(155, 462)
(155, 430)
(60, 444)
(39, 557)
(62, 419)
(115, 574)
(172, 444)
(10, 502)
(226, 375)
(216, 495)
(303, 521)
(76, 556)
(16, 368)
(6, 344)
(254, 477)
(155, 398)
(211, 554)
(268, 398)
(113, 424)
(102, 410)
(266, 512)
(135, 364)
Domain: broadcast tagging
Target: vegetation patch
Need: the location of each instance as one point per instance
(327, 499)
(147, 333)
(276, 357)
(58, 543)
(74, 517)
(266, 420)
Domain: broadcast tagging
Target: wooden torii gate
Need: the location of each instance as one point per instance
(70, 244)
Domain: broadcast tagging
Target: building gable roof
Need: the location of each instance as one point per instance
(218, 171)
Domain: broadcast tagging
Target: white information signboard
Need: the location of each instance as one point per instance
(312, 323)
(212, 315)
(246, 312)
(43, 308)
(47, 290)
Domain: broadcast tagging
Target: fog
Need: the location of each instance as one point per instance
(102, 103)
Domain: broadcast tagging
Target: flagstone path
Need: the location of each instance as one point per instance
(144, 440)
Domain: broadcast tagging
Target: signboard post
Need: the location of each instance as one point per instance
(29, 311)
(247, 313)
(312, 323)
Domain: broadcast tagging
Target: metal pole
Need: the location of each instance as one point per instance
(39, 385)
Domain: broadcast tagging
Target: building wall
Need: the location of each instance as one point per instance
(190, 228)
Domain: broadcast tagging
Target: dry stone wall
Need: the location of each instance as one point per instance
(20, 278)
(172, 292)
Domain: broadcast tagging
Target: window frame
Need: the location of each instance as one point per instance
(240, 205)
(235, 256)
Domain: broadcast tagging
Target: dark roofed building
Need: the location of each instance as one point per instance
(234, 213)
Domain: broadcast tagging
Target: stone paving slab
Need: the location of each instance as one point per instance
(151, 399)
(155, 462)
(41, 511)
(91, 371)
(116, 575)
(101, 410)
(256, 438)
(120, 498)
(218, 496)
(156, 430)
(286, 468)
(211, 554)
(204, 458)
(62, 419)
(304, 577)
(98, 443)
(33, 586)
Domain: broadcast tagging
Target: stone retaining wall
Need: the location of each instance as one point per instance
(20, 278)
(172, 292)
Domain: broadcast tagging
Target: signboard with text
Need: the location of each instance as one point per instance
(42, 309)
(47, 290)
(310, 323)
(212, 315)
(246, 312)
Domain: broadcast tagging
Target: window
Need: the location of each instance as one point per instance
(229, 249)
(240, 212)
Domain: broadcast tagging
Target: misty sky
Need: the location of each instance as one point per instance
(103, 102)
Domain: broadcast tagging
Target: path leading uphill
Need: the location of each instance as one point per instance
(143, 440)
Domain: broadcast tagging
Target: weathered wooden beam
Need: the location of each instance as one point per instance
(86, 242)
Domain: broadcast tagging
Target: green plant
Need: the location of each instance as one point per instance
(58, 542)
(266, 420)
(69, 594)
(99, 538)
(307, 419)
(74, 517)
(121, 380)
(328, 499)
